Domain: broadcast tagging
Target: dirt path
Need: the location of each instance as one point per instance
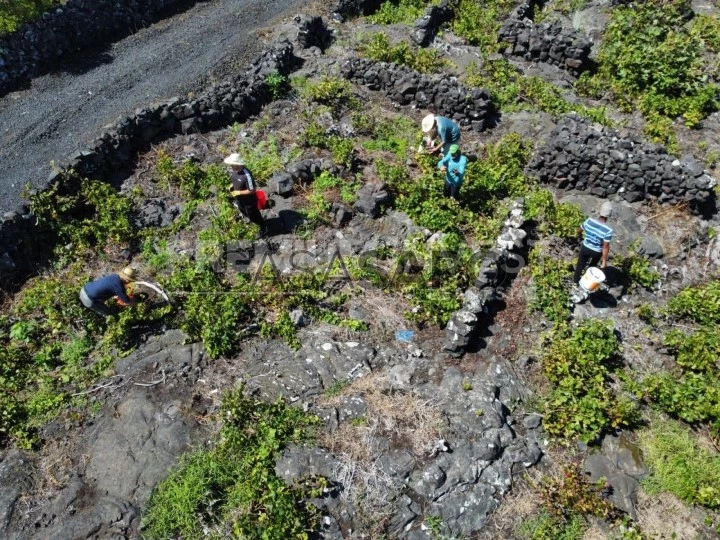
(61, 112)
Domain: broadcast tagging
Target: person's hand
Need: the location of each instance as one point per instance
(443, 169)
(603, 264)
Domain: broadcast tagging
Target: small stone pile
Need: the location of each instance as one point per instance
(496, 269)
(427, 26)
(440, 93)
(588, 157)
(546, 42)
(352, 8)
(312, 32)
(72, 26)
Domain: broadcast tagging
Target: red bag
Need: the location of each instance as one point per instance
(261, 198)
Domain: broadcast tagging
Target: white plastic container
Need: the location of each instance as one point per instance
(592, 279)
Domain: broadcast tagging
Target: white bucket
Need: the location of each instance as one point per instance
(592, 279)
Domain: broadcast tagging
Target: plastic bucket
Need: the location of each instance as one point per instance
(592, 279)
(261, 199)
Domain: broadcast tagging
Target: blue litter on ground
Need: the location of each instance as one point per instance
(406, 336)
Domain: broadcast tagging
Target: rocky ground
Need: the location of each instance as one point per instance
(415, 442)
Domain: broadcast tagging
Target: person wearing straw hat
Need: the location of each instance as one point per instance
(596, 242)
(244, 191)
(443, 128)
(453, 165)
(94, 294)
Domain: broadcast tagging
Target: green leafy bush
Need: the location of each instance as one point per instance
(637, 271)
(679, 464)
(649, 57)
(263, 158)
(282, 328)
(399, 12)
(84, 217)
(392, 135)
(232, 489)
(550, 291)
(578, 364)
(513, 91)
(700, 303)
(560, 219)
(659, 129)
(334, 92)
(479, 22)
(13, 13)
(378, 47)
(212, 308)
(698, 351)
(277, 84)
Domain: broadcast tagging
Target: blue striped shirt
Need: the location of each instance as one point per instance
(595, 234)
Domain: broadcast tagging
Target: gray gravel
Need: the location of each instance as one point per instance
(63, 111)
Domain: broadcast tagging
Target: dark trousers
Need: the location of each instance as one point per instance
(250, 211)
(451, 190)
(587, 257)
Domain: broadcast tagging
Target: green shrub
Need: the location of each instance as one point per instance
(379, 48)
(399, 12)
(479, 22)
(700, 303)
(637, 271)
(544, 526)
(212, 308)
(698, 351)
(333, 92)
(84, 219)
(232, 489)
(679, 464)
(550, 291)
(707, 28)
(263, 158)
(284, 329)
(13, 13)
(649, 57)
(513, 91)
(277, 84)
(578, 364)
(560, 219)
(689, 396)
(659, 129)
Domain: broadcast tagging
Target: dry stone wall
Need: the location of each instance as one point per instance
(427, 26)
(588, 157)
(496, 269)
(546, 42)
(73, 26)
(440, 93)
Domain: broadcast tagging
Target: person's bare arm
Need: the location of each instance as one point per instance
(605, 253)
(241, 192)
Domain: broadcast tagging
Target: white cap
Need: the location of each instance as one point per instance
(606, 209)
(428, 122)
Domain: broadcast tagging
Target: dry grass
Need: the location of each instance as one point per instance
(665, 516)
(404, 418)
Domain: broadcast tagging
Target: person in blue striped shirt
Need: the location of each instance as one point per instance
(596, 242)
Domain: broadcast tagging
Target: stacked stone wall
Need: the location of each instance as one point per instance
(588, 157)
(441, 94)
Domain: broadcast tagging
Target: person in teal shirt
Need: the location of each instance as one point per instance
(445, 129)
(453, 165)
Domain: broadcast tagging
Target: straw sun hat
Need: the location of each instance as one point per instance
(428, 123)
(234, 159)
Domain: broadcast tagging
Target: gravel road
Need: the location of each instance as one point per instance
(63, 111)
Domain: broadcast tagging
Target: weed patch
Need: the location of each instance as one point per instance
(479, 23)
(399, 12)
(232, 489)
(512, 91)
(378, 47)
(680, 465)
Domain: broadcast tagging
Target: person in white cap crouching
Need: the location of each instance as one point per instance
(445, 129)
(596, 242)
